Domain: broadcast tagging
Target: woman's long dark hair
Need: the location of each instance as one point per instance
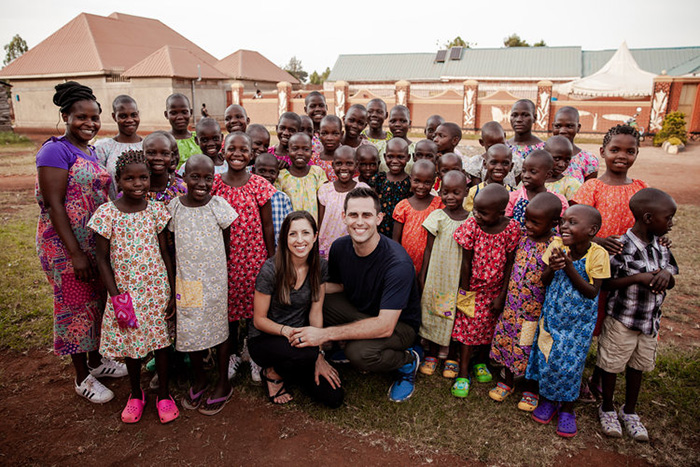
(286, 276)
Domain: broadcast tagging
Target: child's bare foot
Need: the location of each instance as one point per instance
(276, 390)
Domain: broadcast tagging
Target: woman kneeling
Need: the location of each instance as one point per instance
(289, 293)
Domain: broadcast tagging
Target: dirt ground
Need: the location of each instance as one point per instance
(45, 423)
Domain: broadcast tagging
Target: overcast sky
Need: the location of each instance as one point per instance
(317, 35)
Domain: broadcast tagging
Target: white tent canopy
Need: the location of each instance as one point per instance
(620, 77)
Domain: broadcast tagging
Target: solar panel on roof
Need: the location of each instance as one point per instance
(440, 57)
(456, 53)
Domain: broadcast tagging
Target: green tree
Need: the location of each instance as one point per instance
(315, 78)
(541, 43)
(458, 42)
(514, 40)
(14, 49)
(295, 69)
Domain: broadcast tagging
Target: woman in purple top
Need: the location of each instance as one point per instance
(70, 186)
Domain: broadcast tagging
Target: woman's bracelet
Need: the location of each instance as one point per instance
(282, 329)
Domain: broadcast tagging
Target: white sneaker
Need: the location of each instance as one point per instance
(93, 390)
(633, 425)
(255, 373)
(609, 423)
(109, 369)
(234, 362)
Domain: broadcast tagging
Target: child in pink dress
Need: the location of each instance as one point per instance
(410, 213)
(252, 239)
(489, 240)
(331, 198)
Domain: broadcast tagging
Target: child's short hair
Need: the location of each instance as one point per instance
(256, 127)
(620, 130)
(358, 107)
(573, 111)
(453, 129)
(344, 148)
(161, 134)
(533, 107)
(453, 156)
(492, 130)
(362, 192)
(548, 203)
(266, 157)
(174, 96)
(559, 142)
(332, 119)
(367, 148)
(198, 159)
(132, 156)
(541, 156)
(122, 99)
(290, 116)
(207, 122)
(377, 99)
(401, 108)
(240, 133)
(648, 200)
(494, 194)
(314, 94)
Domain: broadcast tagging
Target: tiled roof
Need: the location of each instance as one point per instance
(521, 62)
(173, 62)
(250, 65)
(98, 44)
(563, 63)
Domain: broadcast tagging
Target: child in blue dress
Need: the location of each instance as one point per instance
(574, 272)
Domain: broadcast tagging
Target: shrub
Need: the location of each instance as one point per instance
(10, 137)
(673, 126)
(674, 141)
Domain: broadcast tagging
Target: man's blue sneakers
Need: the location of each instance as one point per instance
(404, 386)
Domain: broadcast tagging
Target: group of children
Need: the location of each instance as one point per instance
(511, 247)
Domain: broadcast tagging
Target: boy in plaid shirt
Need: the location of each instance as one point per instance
(640, 276)
(266, 166)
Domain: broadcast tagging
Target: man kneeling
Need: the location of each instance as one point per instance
(372, 300)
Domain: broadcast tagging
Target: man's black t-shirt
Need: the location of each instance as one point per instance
(383, 280)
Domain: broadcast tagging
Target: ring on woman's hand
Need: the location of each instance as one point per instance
(300, 340)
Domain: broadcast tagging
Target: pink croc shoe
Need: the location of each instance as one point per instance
(167, 410)
(134, 409)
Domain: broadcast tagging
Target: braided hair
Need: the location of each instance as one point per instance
(69, 93)
(132, 156)
(620, 130)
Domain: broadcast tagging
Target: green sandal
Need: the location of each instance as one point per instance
(461, 387)
(482, 373)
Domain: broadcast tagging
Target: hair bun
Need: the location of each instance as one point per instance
(69, 93)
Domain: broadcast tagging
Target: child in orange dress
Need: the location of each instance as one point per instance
(410, 213)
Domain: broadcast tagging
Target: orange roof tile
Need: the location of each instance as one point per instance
(251, 65)
(92, 44)
(176, 62)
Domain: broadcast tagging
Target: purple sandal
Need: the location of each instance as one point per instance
(567, 425)
(192, 400)
(545, 411)
(214, 406)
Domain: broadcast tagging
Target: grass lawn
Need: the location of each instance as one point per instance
(475, 428)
